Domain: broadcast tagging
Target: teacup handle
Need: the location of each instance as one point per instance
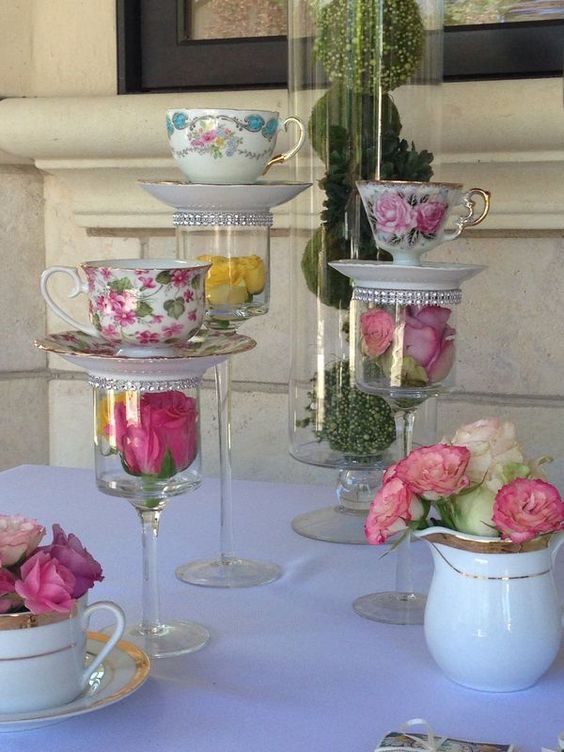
(79, 287)
(470, 220)
(280, 158)
(116, 635)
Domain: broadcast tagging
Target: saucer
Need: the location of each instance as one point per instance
(124, 671)
(189, 360)
(252, 197)
(384, 275)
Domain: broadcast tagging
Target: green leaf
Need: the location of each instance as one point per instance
(175, 308)
(119, 285)
(164, 278)
(143, 309)
(195, 282)
(96, 321)
(168, 467)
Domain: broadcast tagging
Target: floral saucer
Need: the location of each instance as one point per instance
(253, 197)
(124, 670)
(103, 359)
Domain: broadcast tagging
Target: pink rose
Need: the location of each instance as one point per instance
(492, 445)
(166, 423)
(429, 215)
(18, 537)
(45, 584)
(377, 330)
(393, 214)
(69, 551)
(7, 590)
(394, 506)
(429, 340)
(526, 508)
(435, 471)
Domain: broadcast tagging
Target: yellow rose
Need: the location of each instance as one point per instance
(230, 294)
(252, 268)
(105, 409)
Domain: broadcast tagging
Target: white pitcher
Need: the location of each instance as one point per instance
(493, 618)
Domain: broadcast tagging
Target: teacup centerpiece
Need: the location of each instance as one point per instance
(44, 616)
(145, 305)
(227, 146)
(494, 524)
(409, 218)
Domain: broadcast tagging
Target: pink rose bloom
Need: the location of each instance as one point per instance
(69, 551)
(18, 537)
(377, 330)
(526, 508)
(7, 583)
(167, 421)
(492, 445)
(208, 136)
(394, 506)
(45, 585)
(393, 214)
(435, 471)
(429, 340)
(389, 473)
(429, 216)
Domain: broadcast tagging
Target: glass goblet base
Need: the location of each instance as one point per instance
(228, 572)
(392, 607)
(166, 640)
(335, 524)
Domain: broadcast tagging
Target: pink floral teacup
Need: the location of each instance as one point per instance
(146, 306)
(408, 219)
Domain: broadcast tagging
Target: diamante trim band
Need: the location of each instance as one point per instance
(407, 297)
(218, 218)
(137, 385)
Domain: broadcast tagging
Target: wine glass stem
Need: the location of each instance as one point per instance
(408, 422)
(223, 392)
(404, 573)
(150, 623)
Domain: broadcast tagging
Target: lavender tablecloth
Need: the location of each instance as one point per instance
(290, 667)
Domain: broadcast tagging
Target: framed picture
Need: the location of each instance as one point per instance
(176, 45)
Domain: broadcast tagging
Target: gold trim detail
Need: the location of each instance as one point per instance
(493, 546)
(139, 658)
(503, 578)
(410, 182)
(27, 620)
(39, 655)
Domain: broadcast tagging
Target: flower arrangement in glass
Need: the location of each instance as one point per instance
(494, 524)
(40, 579)
(355, 65)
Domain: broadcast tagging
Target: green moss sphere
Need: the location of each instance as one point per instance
(354, 49)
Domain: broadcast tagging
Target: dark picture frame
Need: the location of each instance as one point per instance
(155, 52)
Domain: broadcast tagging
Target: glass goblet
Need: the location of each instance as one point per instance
(147, 449)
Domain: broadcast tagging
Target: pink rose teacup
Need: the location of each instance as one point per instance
(144, 306)
(408, 219)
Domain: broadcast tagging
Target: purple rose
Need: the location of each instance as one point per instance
(69, 551)
(429, 340)
(429, 216)
(393, 214)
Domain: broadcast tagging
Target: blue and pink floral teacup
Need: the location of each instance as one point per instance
(227, 147)
(409, 218)
(146, 306)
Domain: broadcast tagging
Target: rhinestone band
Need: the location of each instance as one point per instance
(407, 297)
(215, 218)
(141, 385)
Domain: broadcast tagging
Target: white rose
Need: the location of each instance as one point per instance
(492, 445)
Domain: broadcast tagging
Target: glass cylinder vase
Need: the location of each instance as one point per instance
(365, 77)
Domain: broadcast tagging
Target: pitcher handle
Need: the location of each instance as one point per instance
(79, 287)
(470, 219)
(280, 158)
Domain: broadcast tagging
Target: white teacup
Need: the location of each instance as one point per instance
(144, 305)
(42, 656)
(227, 146)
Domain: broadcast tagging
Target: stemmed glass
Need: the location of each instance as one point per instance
(147, 450)
(237, 288)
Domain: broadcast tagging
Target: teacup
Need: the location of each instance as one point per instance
(144, 305)
(42, 656)
(408, 219)
(227, 146)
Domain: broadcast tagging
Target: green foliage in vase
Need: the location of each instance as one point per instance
(357, 424)
(356, 48)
